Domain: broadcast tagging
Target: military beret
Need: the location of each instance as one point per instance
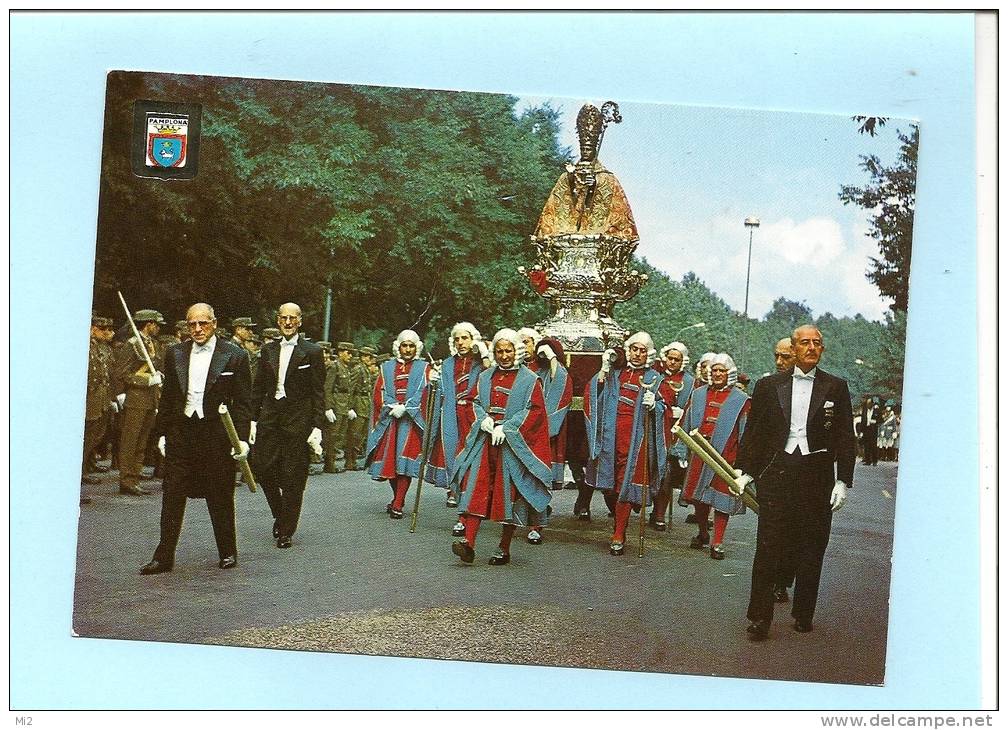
(345, 346)
(99, 321)
(242, 322)
(324, 344)
(148, 315)
(367, 350)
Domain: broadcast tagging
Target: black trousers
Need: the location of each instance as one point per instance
(870, 443)
(280, 462)
(794, 523)
(197, 464)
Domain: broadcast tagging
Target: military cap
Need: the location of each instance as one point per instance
(325, 345)
(148, 315)
(345, 346)
(242, 322)
(367, 350)
(272, 333)
(384, 357)
(102, 322)
(254, 338)
(182, 325)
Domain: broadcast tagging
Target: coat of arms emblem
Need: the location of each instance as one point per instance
(167, 138)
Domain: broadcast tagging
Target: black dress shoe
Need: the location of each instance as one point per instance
(464, 551)
(717, 552)
(451, 502)
(616, 548)
(395, 514)
(699, 542)
(135, 491)
(155, 566)
(534, 537)
(283, 542)
(458, 530)
(802, 627)
(780, 595)
(583, 516)
(691, 519)
(655, 524)
(500, 558)
(758, 630)
(229, 562)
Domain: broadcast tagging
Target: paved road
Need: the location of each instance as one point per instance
(358, 582)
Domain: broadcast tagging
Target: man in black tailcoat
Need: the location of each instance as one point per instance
(200, 375)
(799, 447)
(288, 412)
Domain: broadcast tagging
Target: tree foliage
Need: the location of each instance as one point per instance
(889, 196)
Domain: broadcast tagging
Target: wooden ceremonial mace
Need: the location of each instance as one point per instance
(428, 443)
(233, 437)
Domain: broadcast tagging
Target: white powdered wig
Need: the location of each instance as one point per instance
(529, 332)
(723, 358)
(462, 327)
(642, 338)
(681, 349)
(511, 336)
(407, 336)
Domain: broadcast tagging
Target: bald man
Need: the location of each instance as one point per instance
(783, 355)
(201, 374)
(288, 412)
(799, 444)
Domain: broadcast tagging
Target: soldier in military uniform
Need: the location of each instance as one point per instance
(99, 402)
(252, 345)
(338, 413)
(271, 334)
(362, 389)
(142, 390)
(242, 327)
(182, 330)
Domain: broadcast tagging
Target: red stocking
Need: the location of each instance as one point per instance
(720, 523)
(622, 517)
(472, 524)
(401, 487)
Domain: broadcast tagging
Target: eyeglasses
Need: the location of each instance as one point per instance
(200, 323)
(289, 317)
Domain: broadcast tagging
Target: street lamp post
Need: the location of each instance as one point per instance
(752, 223)
(698, 325)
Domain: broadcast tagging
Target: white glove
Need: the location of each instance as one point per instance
(114, 404)
(648, 399)
(242, 453)
(481, 348)
(497, 436)
(121, 399)
(156, 379)
(607, 360)
(547, 352)
(839, 495)
(315, 441)
(252, 432)
(397, 410)
(161, 445)
(677, 412)
(738, 486)
(330, 416)
(351, 414)
(487, 424)
(683, 463)
(433, 373)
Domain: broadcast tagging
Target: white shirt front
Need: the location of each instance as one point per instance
(286, 350)
(199, 367)
(801, 395)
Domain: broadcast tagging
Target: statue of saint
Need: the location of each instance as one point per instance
(588, 199)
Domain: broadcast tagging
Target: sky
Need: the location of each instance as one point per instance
(694, 174)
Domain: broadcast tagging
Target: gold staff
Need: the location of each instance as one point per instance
(719, 465)
(233, 436)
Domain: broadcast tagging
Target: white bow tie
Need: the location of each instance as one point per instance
(202, 348)
(288, 343)
(799, 375)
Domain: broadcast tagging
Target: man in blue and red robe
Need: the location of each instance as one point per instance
(677, 384)
(543, 357)
(616, 401)
(453, 414)
(504, 469)
(719, 411)
(399, 402)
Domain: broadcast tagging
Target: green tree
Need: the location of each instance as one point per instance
(889, 196)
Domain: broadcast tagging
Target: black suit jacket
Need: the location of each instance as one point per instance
(228, 382)
(769, 424)
(304, 407)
